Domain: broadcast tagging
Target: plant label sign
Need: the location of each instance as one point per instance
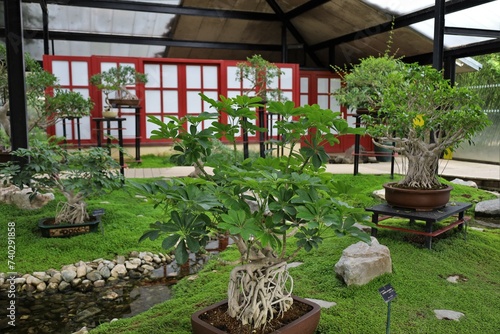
(98, 212)
(387, 292)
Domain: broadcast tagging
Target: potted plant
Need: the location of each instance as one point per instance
(264, 204)
(77, 174)
(67, 104)
(117, 79)
(423, 115)
(46, 101)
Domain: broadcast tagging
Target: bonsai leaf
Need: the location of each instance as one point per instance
(181, 253)
(170, 241)
(151, 235)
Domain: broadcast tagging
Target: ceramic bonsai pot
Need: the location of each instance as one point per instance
(50, 230)
(417, 199)
(306, 324)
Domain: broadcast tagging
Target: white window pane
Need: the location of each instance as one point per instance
(193, 103)
(233, 93)
(273, 83)
(83, 91)
(153, 101)
(129, 126)
(304, 85)
(193, 77)
(206, 105)
(323, 85)
(170, 102)
(210, 77)
(334, 105)
(150, 127)
(287, 78)
(335, 84)
(232, 80)
(80, 73)
(169, 76)
(323, 101)
(106, 66)
(61, 70)
(304, 100)
(153, 73)
(85, 129)
(287, 96)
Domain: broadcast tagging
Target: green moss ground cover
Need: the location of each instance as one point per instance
(419, 275)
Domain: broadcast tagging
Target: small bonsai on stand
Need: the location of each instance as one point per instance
(117, 79)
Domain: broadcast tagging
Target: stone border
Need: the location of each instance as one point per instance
(84, 276)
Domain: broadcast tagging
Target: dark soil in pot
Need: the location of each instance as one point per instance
(219, 318)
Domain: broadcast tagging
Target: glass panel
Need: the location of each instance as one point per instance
(129, 126)
(193, 77)
(304, 85)
(210, 77)
(323, 85)
(286, 78)
(80, 73)
(153, 73)
(170, 102)
(287, 95)
(304, 99)
(193, 103)
(323, 101)
(149, 128)
(169, 76)
(106, 66)
(206, 106)
(85, 128)
(232, 81)
(61, 70)
(153, 101)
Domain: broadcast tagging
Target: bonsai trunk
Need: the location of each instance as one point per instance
(421, 172)
(258, 292)
(73, 211)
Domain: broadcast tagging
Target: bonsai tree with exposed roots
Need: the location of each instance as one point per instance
(420, 112)
(264, 204)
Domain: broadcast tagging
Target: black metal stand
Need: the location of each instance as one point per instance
(429, 217)
(104, 125)
(78, 133)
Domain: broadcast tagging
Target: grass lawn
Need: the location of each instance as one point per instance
(419, 275)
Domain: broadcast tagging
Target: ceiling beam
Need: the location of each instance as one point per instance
(307, 6)
(472, 32)
(150, 7)
(295, 33)
(142, 40)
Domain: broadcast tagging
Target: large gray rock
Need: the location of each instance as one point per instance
(360, 262)
(489, 208)
(21, 198)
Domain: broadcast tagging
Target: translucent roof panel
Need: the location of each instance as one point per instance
(98, 21)
(484, 16)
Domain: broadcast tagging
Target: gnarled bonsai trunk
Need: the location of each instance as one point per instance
(258, 292)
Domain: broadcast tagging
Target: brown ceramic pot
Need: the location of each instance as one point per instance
(417, 199)
(306, 324)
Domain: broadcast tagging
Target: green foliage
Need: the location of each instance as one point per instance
(76, 174)
(260, 202)
(65, 103)
(117, 77)
(262, 76)
(415, 108)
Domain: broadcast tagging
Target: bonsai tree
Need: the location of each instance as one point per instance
(420, 112)
(260, 74)
(76, 174)
(69, 104)
(264, 204)
(117, 79)
(46, 101)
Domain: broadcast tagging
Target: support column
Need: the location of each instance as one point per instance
(16, 73)
(437, 53)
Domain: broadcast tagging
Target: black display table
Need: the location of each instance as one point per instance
(103, 128)
(429, 217)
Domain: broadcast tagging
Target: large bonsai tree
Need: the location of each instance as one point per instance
(262, 203)
(420, 112)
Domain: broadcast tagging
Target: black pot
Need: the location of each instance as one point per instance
(50, 230)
